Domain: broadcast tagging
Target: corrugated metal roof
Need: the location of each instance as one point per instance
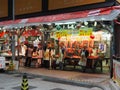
(108, 17)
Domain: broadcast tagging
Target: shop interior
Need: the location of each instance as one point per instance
(73, 36)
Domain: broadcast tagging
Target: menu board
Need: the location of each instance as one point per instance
(27, 6)
(3, 8)
(55, 4)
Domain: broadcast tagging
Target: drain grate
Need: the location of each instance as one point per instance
(57, 89)
(19, 88)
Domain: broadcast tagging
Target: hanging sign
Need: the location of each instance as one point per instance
(81, 32)
(54, 4)
(3, 8)
(27, 6)
(61, 33)
(85, 32)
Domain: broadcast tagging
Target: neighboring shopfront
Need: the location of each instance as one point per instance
(116, 56)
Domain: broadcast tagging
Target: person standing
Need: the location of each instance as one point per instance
(60, 59)
(47, 55)
(84, 56)
(29, 53)
(40, 55)
(22, 53)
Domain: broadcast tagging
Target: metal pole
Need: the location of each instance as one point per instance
(13, 10)
(13, 47)
(112, 51)
(13, 36)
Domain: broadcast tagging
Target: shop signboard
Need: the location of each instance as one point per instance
(3, 8)
(2, 62)
(61, 33)
(27, 6)
(86, 31)
(54, 4)
(116, 71)
(80, 32)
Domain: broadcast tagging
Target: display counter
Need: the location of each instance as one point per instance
(71, 60)
(92, 62)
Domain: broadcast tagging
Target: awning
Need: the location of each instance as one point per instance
(108, 13)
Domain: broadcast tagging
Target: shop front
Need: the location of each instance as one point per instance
(63, 37)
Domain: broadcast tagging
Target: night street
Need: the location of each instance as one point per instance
(14, 81)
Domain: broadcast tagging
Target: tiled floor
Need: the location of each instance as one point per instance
(86, 77)
(71, 75)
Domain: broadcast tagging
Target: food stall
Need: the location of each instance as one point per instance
(75, 38)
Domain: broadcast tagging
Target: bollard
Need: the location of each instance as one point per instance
(11, 65)
(24, 85)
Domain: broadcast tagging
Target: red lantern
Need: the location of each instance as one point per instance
(92, 36)
(2, 34)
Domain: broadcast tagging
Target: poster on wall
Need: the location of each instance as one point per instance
(2, 62)
(54, 4)
(3, 8)
(27, 6)
(116, 72)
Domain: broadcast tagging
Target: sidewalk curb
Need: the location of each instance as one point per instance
(60, 80)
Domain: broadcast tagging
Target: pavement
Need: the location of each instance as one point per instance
(85, 79)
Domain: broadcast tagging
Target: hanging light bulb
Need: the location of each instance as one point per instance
(95, 23)
(4, 30)
(85, 23)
